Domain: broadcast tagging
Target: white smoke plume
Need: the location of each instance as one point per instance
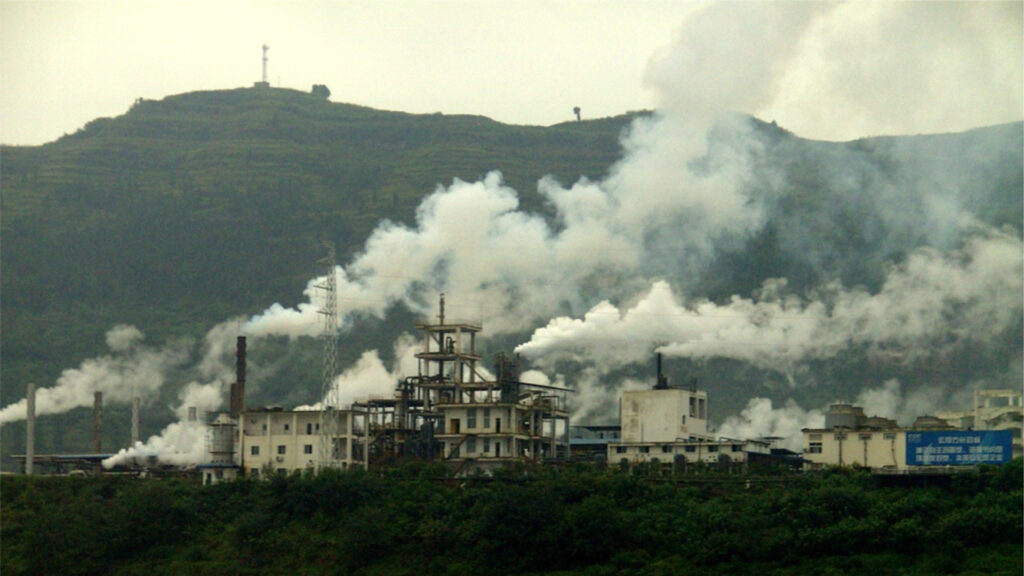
(131, 370)
(370, 378)
(183, 442)
(179, 444)
(928, 305)
(760, 419)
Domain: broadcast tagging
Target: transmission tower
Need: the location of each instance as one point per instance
(265, 48)
(329, 419)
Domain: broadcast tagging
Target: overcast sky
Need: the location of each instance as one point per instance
(850, 70)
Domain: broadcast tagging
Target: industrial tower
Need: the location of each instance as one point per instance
(330, 423)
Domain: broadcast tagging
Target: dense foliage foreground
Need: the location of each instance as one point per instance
(414, 520)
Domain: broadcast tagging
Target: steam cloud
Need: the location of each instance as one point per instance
(131, 370)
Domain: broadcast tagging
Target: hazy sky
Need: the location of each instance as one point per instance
(850, 70)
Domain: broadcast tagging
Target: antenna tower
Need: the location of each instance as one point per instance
(329, 418)
(265, 48)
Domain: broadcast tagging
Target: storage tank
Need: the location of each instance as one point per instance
(222, 440)
(843, 415)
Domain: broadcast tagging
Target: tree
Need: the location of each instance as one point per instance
(321, 91)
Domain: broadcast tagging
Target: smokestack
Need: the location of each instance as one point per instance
(30, 428)
(237, 400)
(192, 414)
(97, 422)
(441, 315)
(135, 420)
(662, 382)
(97, 427)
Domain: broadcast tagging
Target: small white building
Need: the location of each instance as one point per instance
(663, 415)
(670, 426)
(284, 441)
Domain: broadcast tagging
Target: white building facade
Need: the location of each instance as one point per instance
(285, 441)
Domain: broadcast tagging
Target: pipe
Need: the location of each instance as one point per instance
(30, 428)
(97, 427)
(97, 422)
(135, 420)
(237, 400)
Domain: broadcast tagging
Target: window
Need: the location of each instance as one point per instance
(254, 451)
(287, 427)
(691, 448)
(815, 448)
(307, 449)
(471, 418)
(280, 449)
(470, 445)
(487, 420)
(620, 449)
(309, 427)
(840, 436)
(684, 419)
(666, 449)
(888, 436)
(865, 436)
(487, 445)
(737, 447)
(645, 449)
(713, 448)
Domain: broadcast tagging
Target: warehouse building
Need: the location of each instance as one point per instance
(850, 438)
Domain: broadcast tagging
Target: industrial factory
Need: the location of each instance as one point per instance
(454, 412)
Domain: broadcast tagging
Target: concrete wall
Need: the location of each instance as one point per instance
(285, 441)
(886, 449)
(663, 415)
(707, 451)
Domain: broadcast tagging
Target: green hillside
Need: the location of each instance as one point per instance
(189, 210)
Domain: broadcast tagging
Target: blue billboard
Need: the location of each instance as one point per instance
(959, 447)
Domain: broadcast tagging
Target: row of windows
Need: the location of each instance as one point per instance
(471, 418)
(670, 449)
(814, 445)
(311, 427)
(281, 449)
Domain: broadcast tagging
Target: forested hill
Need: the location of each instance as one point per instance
(206, 204)
(192, 209)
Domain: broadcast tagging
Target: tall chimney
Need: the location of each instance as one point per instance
(237, 400)
(97, 427)
(30, 428)
(97, 422)
(193, 414)
(662, 382)
(135, 420)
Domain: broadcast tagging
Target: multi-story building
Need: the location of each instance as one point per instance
(454, 412)
(284, 441)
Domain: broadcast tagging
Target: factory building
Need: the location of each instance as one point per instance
(994, 409)
(454, 412)
(284, 441)
(667, 425)
(851, 438)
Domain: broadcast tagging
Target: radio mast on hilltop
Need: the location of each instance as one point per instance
(265, 48)
(263, 83)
